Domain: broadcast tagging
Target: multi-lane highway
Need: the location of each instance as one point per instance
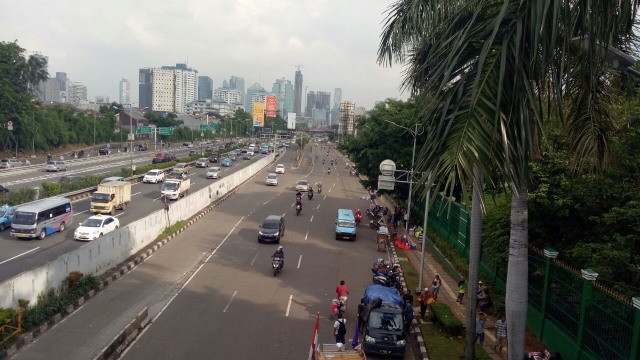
(210, 291)
(18, 255)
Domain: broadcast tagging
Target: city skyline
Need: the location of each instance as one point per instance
(334, 42)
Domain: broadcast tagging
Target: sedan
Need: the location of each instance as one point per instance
(9, 163)
(202, 163)
(302, 185)
(214, 158)
(280, 169)
(227, 162)
(55, 166)
(96, 226)
(213, 173)
(272, 180)
(153, 176)
(112, 178)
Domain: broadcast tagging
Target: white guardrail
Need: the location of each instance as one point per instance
(104, 253)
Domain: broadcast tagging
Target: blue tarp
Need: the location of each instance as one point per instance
(386, 294)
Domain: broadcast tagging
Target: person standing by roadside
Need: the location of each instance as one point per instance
(462, 288)
(408, 314)
(424, 298)
(481, 320)
(361, 308)
(501, 334)
(435, 289)
(340, 329)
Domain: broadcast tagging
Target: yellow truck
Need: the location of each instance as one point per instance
(111, 196)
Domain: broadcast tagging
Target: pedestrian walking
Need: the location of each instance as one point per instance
(435, 288)
(408, 297)
(340, 329)
(501, 334)
(481, 320)
(361, 308)
(462, 288)
(408, 314)
(424, 301)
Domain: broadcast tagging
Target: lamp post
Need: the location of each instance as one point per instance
(132, 136)
(94, 129)
(415, 134)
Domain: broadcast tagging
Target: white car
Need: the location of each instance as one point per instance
(272, 179)
(280, 169)
(302, 185)
(55, 166)
(153, 176)
(96, 226)
(202, 163)
(213, 173)
(9, 163)
(112, 178)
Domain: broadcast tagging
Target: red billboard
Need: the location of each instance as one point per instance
(271, 106)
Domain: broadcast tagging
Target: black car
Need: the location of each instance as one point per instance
(272, 229)
(104, 151)
(143, 148)
(239, 152)
(214, 158)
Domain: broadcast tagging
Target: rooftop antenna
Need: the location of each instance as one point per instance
(298, 66)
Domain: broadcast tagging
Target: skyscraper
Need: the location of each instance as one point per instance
(251, 91)
(125, 91)
(283, 90)
(144, 88)
(297, 90)
(311, 103)
(205, 88)
(237, 83)
(337, 98)
(76, 93)
(323, 100)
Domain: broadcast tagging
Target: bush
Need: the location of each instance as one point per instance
(6, 315)
(442, 313)
(51, 189)
(18, 196)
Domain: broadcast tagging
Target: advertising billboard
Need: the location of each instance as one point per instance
(291, 121)
(272, 106)
(258, 114)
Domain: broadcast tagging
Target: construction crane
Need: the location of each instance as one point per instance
(298, 66)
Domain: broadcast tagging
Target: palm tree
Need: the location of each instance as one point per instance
(492, 68)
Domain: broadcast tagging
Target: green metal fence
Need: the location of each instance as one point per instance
(568, 310)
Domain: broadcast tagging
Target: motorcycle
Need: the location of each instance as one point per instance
(328, 171)
(339, 305)
(319, 189)
(298, 209)
(309, 195)
(276, 264)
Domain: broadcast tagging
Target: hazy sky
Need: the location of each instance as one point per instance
(99, 42)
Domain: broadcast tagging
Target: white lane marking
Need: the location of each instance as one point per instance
(158, 198)
(311, 220)
(325, 197)
(283, 214)
(289, 305)
(138, 193)
(299, 261)
(306, 235)
(238, 223)
(334, 184)
(194, 274)
(230, 300)
(318, 207)
(329, 190)
(293, 204)
(17, 256)
(78, 213)
(122, 213)
(254, 258)
(265, 203)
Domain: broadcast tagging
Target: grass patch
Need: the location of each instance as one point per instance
(171, 229)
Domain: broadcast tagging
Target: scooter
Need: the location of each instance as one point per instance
(339, 306)
(319, 189)
(298, 209)
(276, 264)
(309, 195)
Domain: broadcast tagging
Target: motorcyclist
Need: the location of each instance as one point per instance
(298, 197)
(279, 254)
(319, 188)
(310, 193)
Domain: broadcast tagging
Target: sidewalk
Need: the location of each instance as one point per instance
(449, 289)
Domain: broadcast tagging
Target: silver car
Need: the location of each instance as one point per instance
(213, 172)
(202, 163)
(9, 163)
(55, 166)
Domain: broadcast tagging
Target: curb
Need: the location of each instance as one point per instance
(119, 343)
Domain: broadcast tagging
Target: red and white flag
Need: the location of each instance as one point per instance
(313, 351)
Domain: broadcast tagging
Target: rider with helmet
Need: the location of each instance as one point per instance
(299, 198)
(319, 187)
(280, 255)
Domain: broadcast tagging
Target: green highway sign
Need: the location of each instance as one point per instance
(143, 130)
(165, 131)
(209, 127)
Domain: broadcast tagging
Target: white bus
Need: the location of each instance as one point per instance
(41, 218)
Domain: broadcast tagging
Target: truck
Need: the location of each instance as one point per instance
(383, 321)
(173, 189)
(110, 196)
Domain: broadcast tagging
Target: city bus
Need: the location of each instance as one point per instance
(41, 218)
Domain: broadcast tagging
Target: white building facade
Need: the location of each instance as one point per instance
(172, 88)
(231, 96)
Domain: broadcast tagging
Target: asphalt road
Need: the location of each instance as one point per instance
(211, 293)
(19, 255)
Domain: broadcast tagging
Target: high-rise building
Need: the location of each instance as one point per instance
(76, 93)
(102, 99)
(251, 91)
(50, 91)
(231, 96)
(337, 98)
(205, 88)
(144, 88)
(237, 83)
(169, 88)
(323, 100)
(283, 90)
(297, 89)
(346, 124)
(63, 80)
(125, 92)
(311, 103)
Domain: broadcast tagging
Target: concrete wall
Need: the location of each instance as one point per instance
(98, 256)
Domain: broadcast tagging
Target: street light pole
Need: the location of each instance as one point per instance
(131, 136)
(94, 130)
(413, 157)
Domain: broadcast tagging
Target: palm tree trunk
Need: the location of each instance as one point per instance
(517, 275)
(474, 262)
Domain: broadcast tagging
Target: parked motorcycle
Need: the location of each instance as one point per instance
(276, 264)
(298, 209)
